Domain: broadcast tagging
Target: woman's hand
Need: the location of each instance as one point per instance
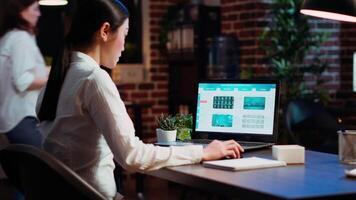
(222, 149)
(41, 78)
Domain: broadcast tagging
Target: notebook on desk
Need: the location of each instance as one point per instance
(244, 164)
(243, 110)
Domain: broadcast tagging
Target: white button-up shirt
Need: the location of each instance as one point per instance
(20, 62)
(92, 126)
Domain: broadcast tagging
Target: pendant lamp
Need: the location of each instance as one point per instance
(341, 10)
(53, 2)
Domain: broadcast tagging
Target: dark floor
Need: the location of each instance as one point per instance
(6, 191)
(154, 188)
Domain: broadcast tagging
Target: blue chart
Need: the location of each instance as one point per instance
(254, 103)
(222, 120)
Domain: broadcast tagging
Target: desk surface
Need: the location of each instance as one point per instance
(322, 176)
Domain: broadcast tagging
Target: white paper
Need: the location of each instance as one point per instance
(244, 163)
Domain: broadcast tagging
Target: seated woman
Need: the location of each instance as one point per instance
(82, 116)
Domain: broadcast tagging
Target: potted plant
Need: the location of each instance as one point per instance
(167, 128)
(287, 41)
(184, 124)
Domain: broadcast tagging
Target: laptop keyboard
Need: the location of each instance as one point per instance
(242, 143)
(250, 144)
(246, 145)
(201, 141)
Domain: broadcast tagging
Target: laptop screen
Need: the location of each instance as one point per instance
(243, 107)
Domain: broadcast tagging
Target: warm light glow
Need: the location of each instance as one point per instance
(53, 2)
(328, 15)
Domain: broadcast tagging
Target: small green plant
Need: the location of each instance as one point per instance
(184, 124)
(184, 121)
(166, 122)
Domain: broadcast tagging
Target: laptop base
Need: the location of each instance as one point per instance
(204, 142)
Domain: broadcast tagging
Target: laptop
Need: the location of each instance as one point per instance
(243, 110)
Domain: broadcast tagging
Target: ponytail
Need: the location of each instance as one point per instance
(84, 18)
(58, 71)
(55, 81)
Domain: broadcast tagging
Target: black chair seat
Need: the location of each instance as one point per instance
(38, 175)
(311, 125)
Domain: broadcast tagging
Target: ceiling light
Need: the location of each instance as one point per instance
(53, 2)
(341, 10)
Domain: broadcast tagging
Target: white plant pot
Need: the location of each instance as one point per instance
(166, 136)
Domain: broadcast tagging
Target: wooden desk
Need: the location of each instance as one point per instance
(322, 177)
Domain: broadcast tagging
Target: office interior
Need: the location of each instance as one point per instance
(172, 44)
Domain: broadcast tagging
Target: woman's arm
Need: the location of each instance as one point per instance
(39, 80)
(109, 114)
(25, 60)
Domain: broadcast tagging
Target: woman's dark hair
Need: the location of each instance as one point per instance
(85, 19)
(10, 15)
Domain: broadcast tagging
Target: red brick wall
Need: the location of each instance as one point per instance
(347, 98)
(330, 52)
(348, 47)
(246, 19)
(155, 90)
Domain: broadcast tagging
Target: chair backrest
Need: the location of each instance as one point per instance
(311, 125)
(41, 176)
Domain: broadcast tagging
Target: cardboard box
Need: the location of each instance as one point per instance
(291, 154)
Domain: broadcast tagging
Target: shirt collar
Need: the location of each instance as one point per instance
(77, 56)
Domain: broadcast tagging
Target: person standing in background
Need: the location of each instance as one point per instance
(22, 71)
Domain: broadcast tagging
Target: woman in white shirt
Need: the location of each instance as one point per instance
(22, 71)
(82, 116)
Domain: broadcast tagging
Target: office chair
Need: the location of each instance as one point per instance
(309, 124)
(38, 175)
